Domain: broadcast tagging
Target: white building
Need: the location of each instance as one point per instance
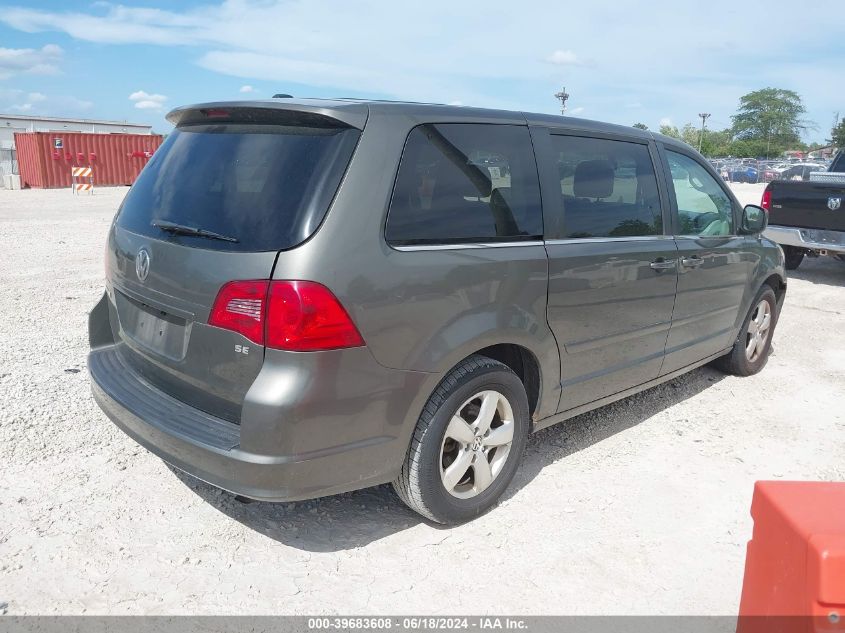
(11, 123)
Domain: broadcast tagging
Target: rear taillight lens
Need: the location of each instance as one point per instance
(306, 316)
(240, 306)
(766, 202)
(301, 316)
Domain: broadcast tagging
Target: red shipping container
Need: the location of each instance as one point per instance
(46, 158)
(795, 563)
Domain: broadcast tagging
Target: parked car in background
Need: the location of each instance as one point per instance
(801, 171)
(310, 297)
(743, 173)
(808, 218)
(772, 171)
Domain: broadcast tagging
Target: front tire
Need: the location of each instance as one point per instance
(751, 349)
(467, 444)
(792, 257)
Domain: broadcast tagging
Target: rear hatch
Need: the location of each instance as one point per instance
(230, 188)
(807, 205)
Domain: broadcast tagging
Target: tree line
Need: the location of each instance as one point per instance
(768, 122)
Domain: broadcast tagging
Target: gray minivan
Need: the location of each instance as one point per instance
(306, 297)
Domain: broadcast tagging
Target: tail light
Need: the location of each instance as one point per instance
(766, 202)
(240, 307)
(301, 316)
(216, 113)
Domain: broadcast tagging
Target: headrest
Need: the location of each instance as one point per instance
(593, 179)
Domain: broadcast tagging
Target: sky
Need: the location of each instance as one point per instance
(621, 61)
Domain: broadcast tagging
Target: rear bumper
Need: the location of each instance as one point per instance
(212, 449)
(810, 239)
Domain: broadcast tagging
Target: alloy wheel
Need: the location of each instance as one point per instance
(476, 444)
(758, 331)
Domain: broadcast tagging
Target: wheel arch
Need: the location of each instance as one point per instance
(778, 284)
(523, 363)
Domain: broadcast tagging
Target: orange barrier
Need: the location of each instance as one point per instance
(77, 185)
(795, 564)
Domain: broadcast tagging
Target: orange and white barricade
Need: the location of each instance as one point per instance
(82, 179)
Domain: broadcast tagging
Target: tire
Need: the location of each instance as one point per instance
(422, 482)
(739, 361)
(792, 257)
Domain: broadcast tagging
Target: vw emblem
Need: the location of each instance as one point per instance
(834, 203)
(142, 264)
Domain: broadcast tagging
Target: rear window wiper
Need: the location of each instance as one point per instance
(181, 229)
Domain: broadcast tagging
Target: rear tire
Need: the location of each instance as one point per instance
(754, 342)
(465, 425)
(793, 257)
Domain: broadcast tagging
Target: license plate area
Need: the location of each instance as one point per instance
(152, 329)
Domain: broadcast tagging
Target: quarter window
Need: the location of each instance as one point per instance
(462, 183)
(703, 206)
(608, 188)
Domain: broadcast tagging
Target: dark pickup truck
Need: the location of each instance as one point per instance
(808, 218)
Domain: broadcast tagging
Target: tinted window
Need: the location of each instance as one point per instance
(703, 206)
(609, 188)
(267, 186)
(465, 183)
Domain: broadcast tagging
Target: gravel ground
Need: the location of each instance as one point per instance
(639, 507)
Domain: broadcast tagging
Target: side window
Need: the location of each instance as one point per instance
(608, 188)
(465, 183)
(703, 206)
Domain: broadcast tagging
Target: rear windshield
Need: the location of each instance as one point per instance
(265, 187)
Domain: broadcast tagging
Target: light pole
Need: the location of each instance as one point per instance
(704, 116)
(563, 96)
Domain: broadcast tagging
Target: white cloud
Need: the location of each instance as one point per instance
(563, 58)
(247, 88)
(43, 61)
(146, 101)
(148, 105)
(666, 121)
(37, 103)
(575, 111)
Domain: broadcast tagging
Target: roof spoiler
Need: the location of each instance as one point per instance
(316, 114)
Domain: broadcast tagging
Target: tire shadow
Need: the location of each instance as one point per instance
(559, 441)
(355, 519)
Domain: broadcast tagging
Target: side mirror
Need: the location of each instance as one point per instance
(754, 219)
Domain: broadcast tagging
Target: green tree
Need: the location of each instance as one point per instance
(837, 134)
(746, 148)
(670, 130)
(690, 135)
(771, 116)
(640, 126)
(716, 142)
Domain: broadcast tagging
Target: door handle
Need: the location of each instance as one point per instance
(663, 264)
(692, 262)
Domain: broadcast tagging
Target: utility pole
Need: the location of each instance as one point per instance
(563, 96)
(704, 116)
